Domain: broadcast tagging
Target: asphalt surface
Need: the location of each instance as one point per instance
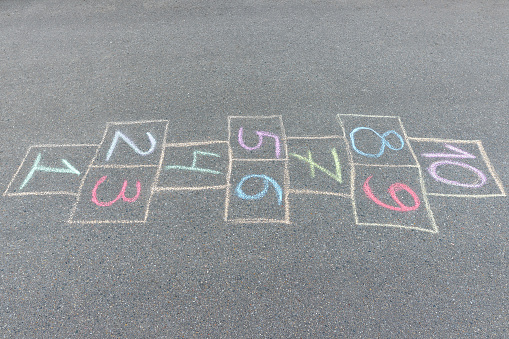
(224, 247)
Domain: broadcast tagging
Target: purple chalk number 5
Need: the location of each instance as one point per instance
(260, 134)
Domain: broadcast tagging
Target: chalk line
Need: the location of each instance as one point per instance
(352, 171)
(155, 179)
(122, 166)
(42, 193)
(260, 159)
(195, 143)
(229, 173)
(491, 168)
(137, 122)
(370, 116)
(17, 171)
(315, 137)
(254, 117)
(106, 221)
(439, 140)
(467, 195)
(259, 221)
(183, 188)
(400, 226)
(300, 191)
(384, 165)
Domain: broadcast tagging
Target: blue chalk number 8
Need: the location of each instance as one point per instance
(382, 138)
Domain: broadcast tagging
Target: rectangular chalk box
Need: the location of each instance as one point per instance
(456, 168)
(376, 140)
(52, 169)
(390, 196)
(258, 192)
(257, 138)
(198, 165)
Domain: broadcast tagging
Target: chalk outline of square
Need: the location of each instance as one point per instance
(297, 191)
(7, 194)
(431, 218)
(421, 179)
(195, 188)
(286, 174)
(140, 122)
(405, 136)
(485, 158)
(104, 221)
(286, 190)
(152, 186)
(282, 140)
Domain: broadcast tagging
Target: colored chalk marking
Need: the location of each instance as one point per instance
(336, 176)
(195, 168)
(260, 134)
(432, 169)
(119, 134)
(120, 195)
(462, 154)
(382, 138)
(84, 212)
(392, 191)
(36, 167)
(266, 180)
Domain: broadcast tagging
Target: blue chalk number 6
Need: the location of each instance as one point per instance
(266, 180)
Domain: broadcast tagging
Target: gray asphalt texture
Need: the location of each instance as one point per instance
(67, 68)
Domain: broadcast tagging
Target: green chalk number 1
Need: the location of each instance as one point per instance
(36, 167)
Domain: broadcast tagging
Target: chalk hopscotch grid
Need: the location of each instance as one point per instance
(90, 166)
(485, 158)
(10, 194)
(286, 183)
(434, 227)
(154, 188)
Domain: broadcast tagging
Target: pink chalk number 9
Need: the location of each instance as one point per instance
(392, 191)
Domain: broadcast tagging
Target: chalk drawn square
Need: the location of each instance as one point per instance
(52, 169)
(374, 203)
(376, 140)
(319, 166)
(194, 166)
(258, 192)
(257, 138)
(132, 143)
(458, 168)
(106, 204)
